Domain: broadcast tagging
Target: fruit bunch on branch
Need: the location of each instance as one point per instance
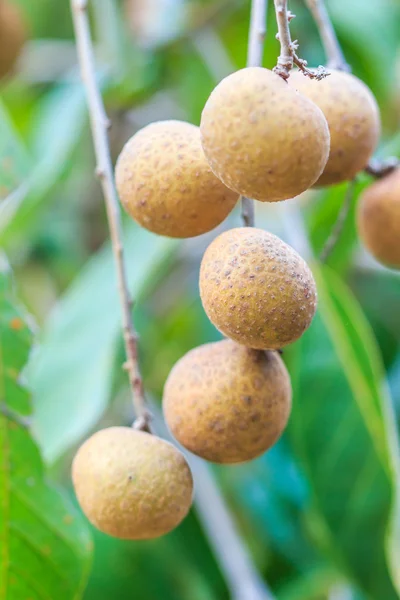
(265, 136)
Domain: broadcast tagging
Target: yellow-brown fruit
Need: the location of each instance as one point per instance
(12, 36)
(166, 184)
(379, 219)
(131, 484)
(227, 403)
(262, 138)
(353, 119)
(256, 289)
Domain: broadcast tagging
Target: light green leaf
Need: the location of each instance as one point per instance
(14, 164)
(343, 430)
(45, 545)
(71, 372)
(60, 120)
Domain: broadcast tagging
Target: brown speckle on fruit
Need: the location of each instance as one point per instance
(244, 396)
(166, 184)
(262, 138)
(131, 484)
(379, 219)
(269, 298)
(353, 119)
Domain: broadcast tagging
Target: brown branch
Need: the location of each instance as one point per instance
(248, 216)
(334, 54)
(255, 50)
(99, 126)
(337, 228)
(288, 56)
(234, 559)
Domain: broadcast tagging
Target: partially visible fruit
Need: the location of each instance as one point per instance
(353, 118)
(256, 289)
(166, 184)
(227, 403)
(378, 219)
(262, 138)
(12, 36)
(131, 484)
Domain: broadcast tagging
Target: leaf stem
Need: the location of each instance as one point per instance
(334, 54)
(99, 126)
(255, 49)
(338, 226)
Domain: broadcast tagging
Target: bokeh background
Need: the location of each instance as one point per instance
(317, 513)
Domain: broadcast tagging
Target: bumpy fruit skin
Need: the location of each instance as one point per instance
(12, 36)
(353, 118)
(131, 484)
(262, 138)
(227, 403)
(166, 184)
(256, 289)
(378, 219)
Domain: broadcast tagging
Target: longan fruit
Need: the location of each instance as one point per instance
(12, 36)
(378, 219)
(262, 138)
(166, 184)
(227, 403)
(131, 484)
(256, 289)
(353, 118)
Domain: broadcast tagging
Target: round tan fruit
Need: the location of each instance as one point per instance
(262, 138)
(353, 119)
(256, 289)
(131, 484)
(379, 219)
(166, 184)
(12, 36)
(227, 403)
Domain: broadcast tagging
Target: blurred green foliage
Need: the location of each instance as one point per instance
(319, 512)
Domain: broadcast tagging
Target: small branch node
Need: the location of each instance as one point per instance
(380, 168)
(100, 172)
(142, 423)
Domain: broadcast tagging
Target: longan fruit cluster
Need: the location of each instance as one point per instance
(12, 36)
(229, 401)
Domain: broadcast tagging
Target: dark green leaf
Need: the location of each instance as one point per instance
(342, 429)
(45, 545)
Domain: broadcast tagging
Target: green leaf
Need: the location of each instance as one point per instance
(14, 165)
(14, 158)
(45, 545)
(71, 373)
(58, 125)
(343, 430)
(322, 213)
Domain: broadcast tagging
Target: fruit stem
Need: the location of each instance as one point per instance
(338, 226)
(255, 50)
(334, 54)
(288, 56)
(99, 126)
(257, 32)
(285, 59)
